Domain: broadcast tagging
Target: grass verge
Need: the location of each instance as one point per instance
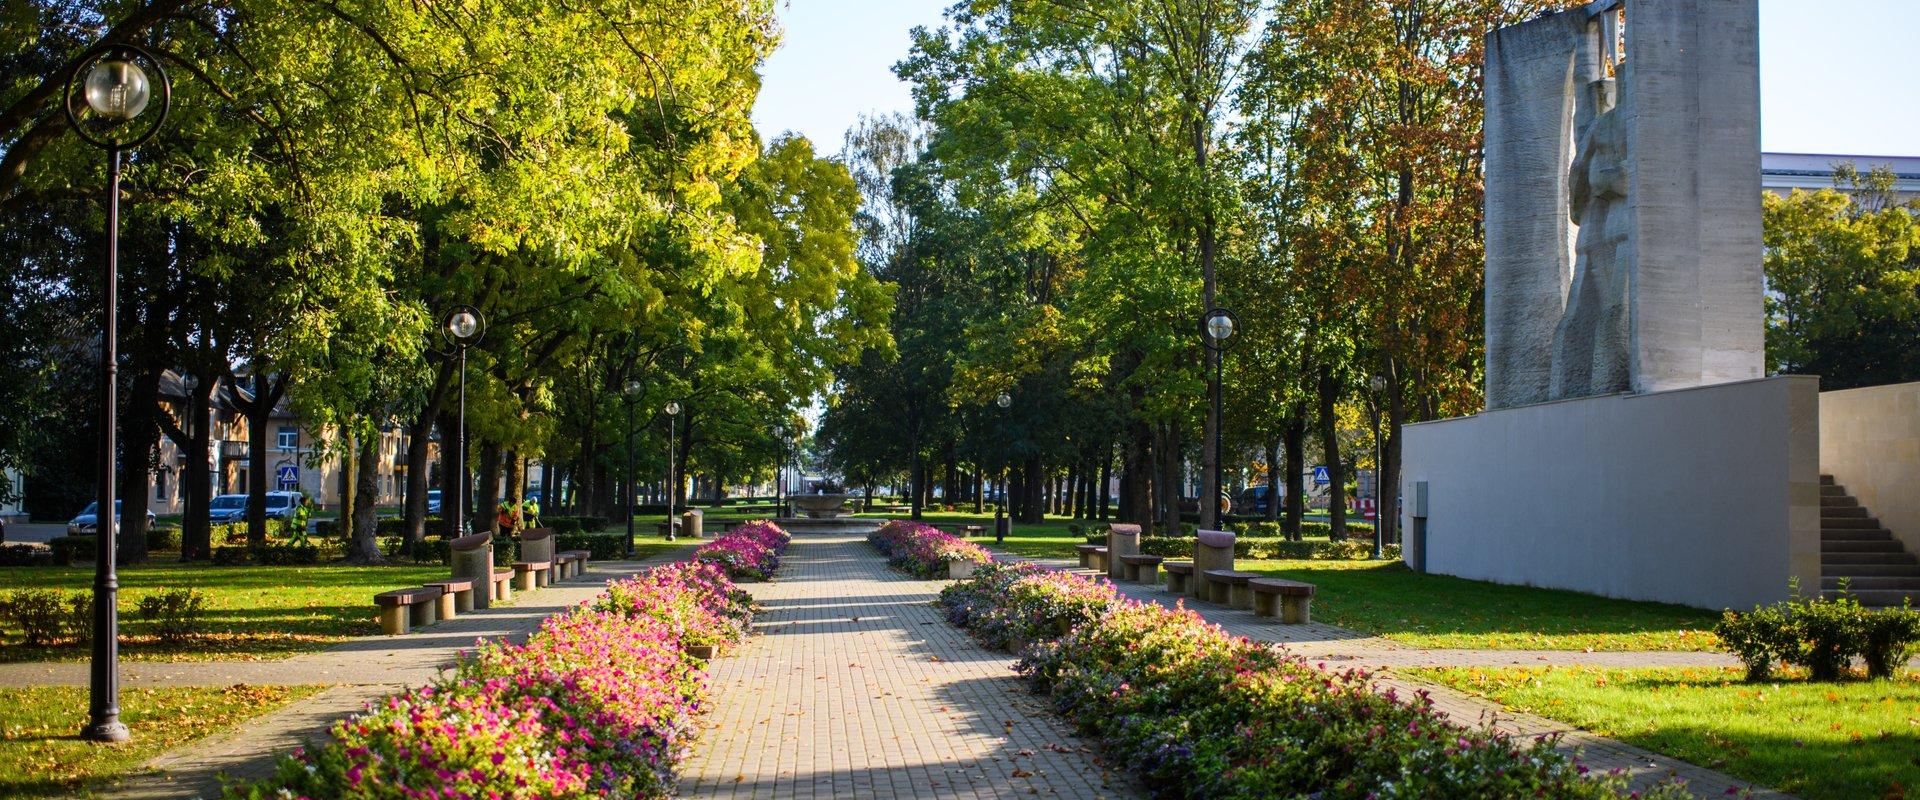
(1821, 741)
(40, 756)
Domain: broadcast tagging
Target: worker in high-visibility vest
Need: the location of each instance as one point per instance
(530, 512)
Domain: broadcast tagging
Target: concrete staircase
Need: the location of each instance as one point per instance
(1854, 547)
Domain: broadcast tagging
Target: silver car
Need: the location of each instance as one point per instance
(87, 522)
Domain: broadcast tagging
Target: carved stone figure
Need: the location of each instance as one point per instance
(1590, 344)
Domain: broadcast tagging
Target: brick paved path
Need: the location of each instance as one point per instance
(855, 686)
(1341, 648)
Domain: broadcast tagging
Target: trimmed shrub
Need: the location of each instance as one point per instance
(163, 537)
(602, 546)
(42, 617)
(1758, 638)
(561, 525)
(70, 549)
(1891, 636)
(272, 555)
(175, 613)
(24, 555)
(1827, 634)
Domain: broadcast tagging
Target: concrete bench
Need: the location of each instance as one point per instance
(472, 558)
(531, 575)
(502, 583)
(1295, 599)
(1098, 559)
(1141, 568)
(576, 562)
(1229, 587)
(456, 596)
(402, 610)
(1086, 554)
(1179, 575)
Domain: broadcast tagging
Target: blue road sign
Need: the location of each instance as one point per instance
(1320, 476)
(289, 474)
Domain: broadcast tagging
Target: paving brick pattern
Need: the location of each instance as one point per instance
(856, 686)
(1340, 648)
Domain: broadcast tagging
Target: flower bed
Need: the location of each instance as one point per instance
(923, 550)
(600, 702)
(1198, 713)
(748, 552)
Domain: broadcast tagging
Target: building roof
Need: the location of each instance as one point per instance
(1784, 172)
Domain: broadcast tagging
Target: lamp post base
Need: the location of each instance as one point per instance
(109, 732)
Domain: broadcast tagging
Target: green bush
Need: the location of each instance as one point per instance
(1758, 638)
(41, 617)
(1890, 637)
(163, 537)
(23, 555)
(426, 551)
(602, 546)
(272, 555)
(505, 551)
(68, 550)
(561, 525)
(175, 613)
(593, 524)
(1828, 633)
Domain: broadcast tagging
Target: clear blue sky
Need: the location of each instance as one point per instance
(1836, 76)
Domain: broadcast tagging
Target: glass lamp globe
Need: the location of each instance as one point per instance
(673, 409)
(117, 88)
(1219, 327)
(633, 387)
(1004, 400)
(463, 325)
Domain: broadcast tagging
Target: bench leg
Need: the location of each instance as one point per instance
(1297, 610)
(463, 601)
(447, 605)
(422, 614)
(1176, 583)
(502, 589)
(543, 576)
(1149, 574)
(523, 580)
(1242, 597)
(1220, 592)
(1086, 560)
(393, 620)
(1129, 572)
(1263, 604)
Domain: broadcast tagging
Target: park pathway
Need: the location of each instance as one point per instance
(1339, 648)
(856, 686)
(356, 671)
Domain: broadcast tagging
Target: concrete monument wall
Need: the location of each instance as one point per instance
(1707, 496)
(1870, 443)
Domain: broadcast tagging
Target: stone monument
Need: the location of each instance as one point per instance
(1623, 200)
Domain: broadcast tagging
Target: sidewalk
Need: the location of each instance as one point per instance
(856, 686)
(1341, 648)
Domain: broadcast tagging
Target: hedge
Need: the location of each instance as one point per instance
(602, 546)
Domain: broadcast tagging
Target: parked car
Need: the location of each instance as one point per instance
(1253, 500)
(87, 522)
(229, 508)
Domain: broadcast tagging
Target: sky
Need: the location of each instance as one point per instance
(1836, 76)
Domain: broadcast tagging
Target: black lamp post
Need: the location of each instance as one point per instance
(633, 393)
(1000, 522)
(673, 431)
(463, 328)
(103, 96)
(1216, 329)
(779, 465)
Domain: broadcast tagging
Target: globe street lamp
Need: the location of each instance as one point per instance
(673, 420)
(463, 328)
(1000, 521)
(104, 95)
(633, 393)
(1217, 329)
(780, 465)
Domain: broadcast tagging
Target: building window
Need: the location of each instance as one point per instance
(160, 486)
(289, 437)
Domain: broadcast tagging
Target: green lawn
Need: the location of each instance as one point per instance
(1437, 611)
(1821, 741)
(41, 757)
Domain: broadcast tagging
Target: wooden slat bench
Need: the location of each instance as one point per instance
(1179, 574)
(456, 596)
(402, 610)
(530, 575)
(1228, 587)
(502, 583)
(1141, 568)
(1295, 599)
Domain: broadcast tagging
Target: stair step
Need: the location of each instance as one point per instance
(1867, 546)
(1850, 559)
(1863, 583)
(1870, 571)
(1826, 480)
(1838, 502)
(1832, 491)
(1879, 598)
(1854, 523)
(1856, 535)
(1837, 512)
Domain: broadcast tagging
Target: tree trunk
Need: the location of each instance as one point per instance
(1033, 507)
(1136, 476)
(1296, 446)
(1330, 445)
(413, 502)
(549, 483)
(365, 548)
(258, 411)
(486, 504)
(193, 435)
(1171, 480)
(1390, 478)
(515, 489)
(1273, 480)
(979, 490)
